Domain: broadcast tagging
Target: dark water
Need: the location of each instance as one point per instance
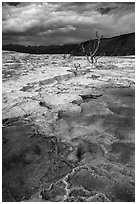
(108, 120)
(29, 160)
(112, 112)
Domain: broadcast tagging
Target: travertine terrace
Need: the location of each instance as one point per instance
(68, 136)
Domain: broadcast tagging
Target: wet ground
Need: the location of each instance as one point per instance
(100, 137)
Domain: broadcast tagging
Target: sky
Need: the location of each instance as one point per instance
(46, 23)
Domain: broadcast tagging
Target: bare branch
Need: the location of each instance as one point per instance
(94, 46)
(92, 52)
(97, 34)
(77, 66)
(83, 49)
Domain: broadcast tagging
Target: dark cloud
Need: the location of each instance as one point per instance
(64, 22)
(12, 3)
(105, 10)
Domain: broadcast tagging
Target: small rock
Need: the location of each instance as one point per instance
(44, 104)
(45, 195)
(99, 197)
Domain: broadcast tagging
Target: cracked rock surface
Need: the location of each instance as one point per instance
(68, 137)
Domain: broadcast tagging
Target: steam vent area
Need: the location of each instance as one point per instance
(68, 128)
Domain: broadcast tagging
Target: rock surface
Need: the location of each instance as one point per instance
(68, 137)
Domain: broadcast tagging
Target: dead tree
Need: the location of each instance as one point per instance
(91, 53)
(68, 57)
(77, 66)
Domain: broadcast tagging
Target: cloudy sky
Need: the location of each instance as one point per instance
(64, 22)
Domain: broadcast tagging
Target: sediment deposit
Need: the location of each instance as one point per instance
(68, 136)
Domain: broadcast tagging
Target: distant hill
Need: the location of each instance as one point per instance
(122, 45)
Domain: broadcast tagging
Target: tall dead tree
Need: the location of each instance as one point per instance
(91, 52)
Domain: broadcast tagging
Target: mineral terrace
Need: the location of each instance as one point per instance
(68, 136)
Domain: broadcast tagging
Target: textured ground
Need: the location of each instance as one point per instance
(68, 136)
